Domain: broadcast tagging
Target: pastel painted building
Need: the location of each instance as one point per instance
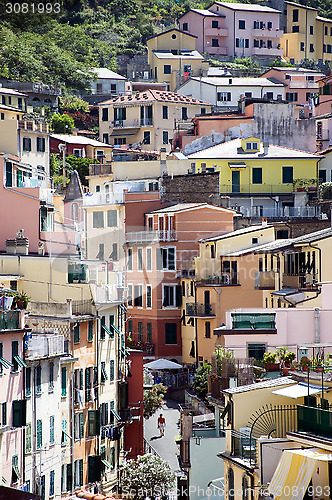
(82, 147)
(225, 92)
(154, 258)
(235, 29)
(172, 58)
(12, 399)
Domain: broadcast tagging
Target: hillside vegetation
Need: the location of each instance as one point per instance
(61, 48)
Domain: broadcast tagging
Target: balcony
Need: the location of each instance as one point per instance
(195, 310)
(224, 279)
(83, 307)
(112, 293)
(100, 169)
(266, 52)
(300, 280)
(261, 189)
(10, 320)
(33, 126)
(131, 124)
(223, 51)
(253, 321)
(266, 33)
(96, 199)
(265, 280)
(295, 84)
(141, 237)
(281, 212)
(314, 421)
(45, 345)
(216, 32)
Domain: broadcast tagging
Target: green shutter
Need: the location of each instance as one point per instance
(51, 429)
(28, 438)
(64, 430)
(149, 332)
(69, 477)
(1, 356)
(112, 406)
(38, 379)
(39, 434)
(90, 331)
(95, 376)
(63, 381)
(81, 471)
(93, 422)
(81, 424)
(4, 414)
(140, 331)
(76, 333)
(112, 370)
(102, 331)
(28, 381)
(52, 474)
(19, 413)
(81, 379)
(112, 457)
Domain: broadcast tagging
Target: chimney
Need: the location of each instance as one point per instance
(74, 131)
(266, 147)
(163, 168)
(228, 135)
(264, 221)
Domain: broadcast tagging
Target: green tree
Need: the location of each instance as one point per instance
(148, 476)
(62, 124)
(72, 104)
(81, 165)
(153, 399)
(200, 384)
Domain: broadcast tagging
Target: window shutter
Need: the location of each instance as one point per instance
(81, 379)
(111, 413)
(178, 296)
(27, 381)
(76, 333)
(81, 425)
(93, 422)
(19, 413)
(95, 376)
(94, 468)
(4, 413)
(52, 474)
(229, 96)
(112, 457)
(166, 297)
(28, 439)
(159, 258)
(38, 379)
(64, 428)
(90, 331)
(102, 331)
(69, 477)
(51, 429)
(63, 381)
(81, 472)
(171, 259)
(39, 434)
(112, 370)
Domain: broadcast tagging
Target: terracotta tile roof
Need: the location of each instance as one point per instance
(154, 95)
(92, 496)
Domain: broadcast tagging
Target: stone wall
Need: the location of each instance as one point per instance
(195, 188)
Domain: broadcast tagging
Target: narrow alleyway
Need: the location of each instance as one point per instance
(165, 446)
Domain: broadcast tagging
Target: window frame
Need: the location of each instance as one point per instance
(149, 297)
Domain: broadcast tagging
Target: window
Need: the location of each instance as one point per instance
(252, 146)
(104, 114)
(78, 153)
(295, 15)
(3, 413)
(146, 137)
(2, 116)
(302, 46)
(38, 380)
(140, 259)
(52, 429)
(120, 114)
(39, 434)
(76, 333)
(78, 472)
(50, 377)
(256, 43)
(215, 24)
(28, 438)
(203, 111)
(165, 137)
(98, 219)
(254, 241)
(103, 373)
(130, 296)
(149, 332)
(246, 43)
(167, 69)
(112, 370)
(149, 259)
(64, 433)
(165, 112)
(172, 296)
(170, 334)
(224, 96)
(311, 48)
(63, 381)
(257, 175)
(269, 25)
(184, 113)
(105, 138)
(322, 175)
(78, 425)
(102, 330)
(93, 422)
(256, 351)
(295, 29)
(41, 144)
(27, 381)
(309, 95)
(130, 259)
(148, 296)
(88, 384)
(242, 25)
(287, 175)
(311, 30)
(138, 295)
(166, 258)
(328, 49)
(140, 331)
(207, 329)
(215, 42)
(291, 96)
(14, 355)
(90, 331)
(269, 44)
(16, 476)
(26, 144)
(112, 218)
(185, 27)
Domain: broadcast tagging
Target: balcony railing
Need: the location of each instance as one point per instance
(281, 212)
(223, 279)
(245, 189)
(9, 320)
(266, 33)
(83, 307)
(314, 420)
(253, 321)
(216, 32)
(294, 84)
(199, 310)
(103, 198)
(33, 126)
(265, 280)
(140, 237)
(300, 280)
(100, 169)
(42, 346)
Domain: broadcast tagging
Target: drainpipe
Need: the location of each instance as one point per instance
(196, 333)
(317, 329)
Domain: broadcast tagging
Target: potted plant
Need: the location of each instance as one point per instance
(289, 357)
(270, 362)
(22, 300)
(304, 363)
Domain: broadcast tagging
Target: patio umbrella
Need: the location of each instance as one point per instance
(162, 364)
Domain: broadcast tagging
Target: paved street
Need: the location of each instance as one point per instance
(165, 446)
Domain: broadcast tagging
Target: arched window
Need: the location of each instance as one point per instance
(230, 484)
(74, 211)
(245, 487)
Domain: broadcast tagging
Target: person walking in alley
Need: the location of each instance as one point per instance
(161, 424)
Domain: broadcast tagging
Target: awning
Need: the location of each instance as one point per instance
(297, 391)
(107, 464)
(124, 132)
(108, 331)
(116, 329)
(66, 434)
(294, 471)
(117, 416)
(5, 363)
(238, 164)
(20, 362)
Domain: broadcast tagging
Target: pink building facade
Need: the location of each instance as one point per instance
(12, 402)
(234, 29)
